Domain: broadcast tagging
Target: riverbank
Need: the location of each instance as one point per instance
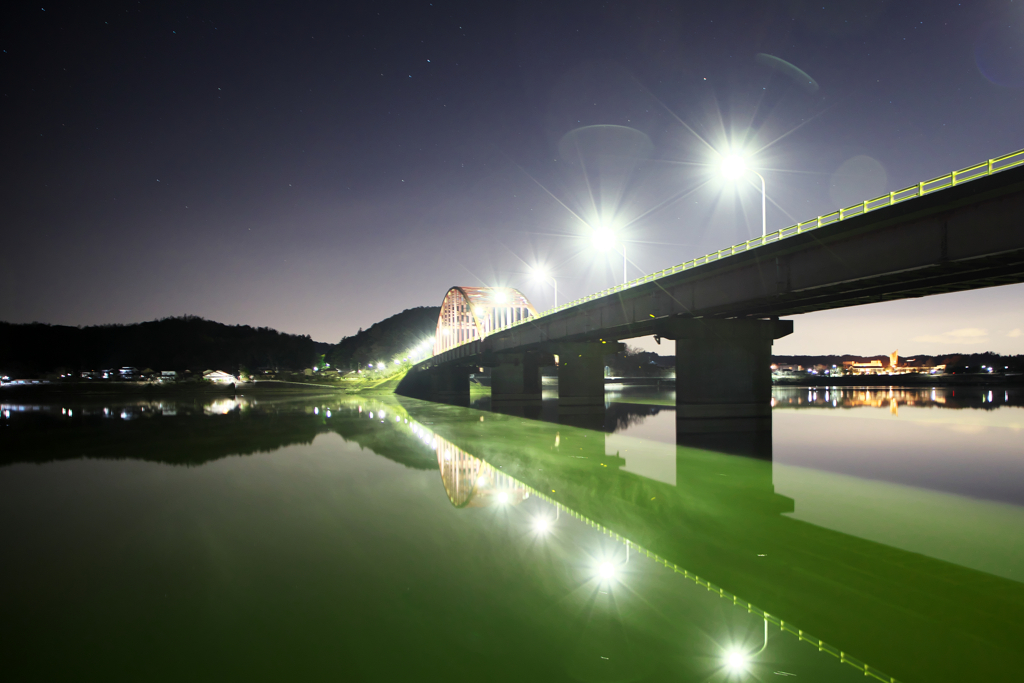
(154, 389)
(272, 387)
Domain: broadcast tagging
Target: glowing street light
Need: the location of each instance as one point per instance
(732, 167)
(540, 274)
(606, 571)
(604, 239)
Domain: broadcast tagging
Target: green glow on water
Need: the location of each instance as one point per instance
(301, 538)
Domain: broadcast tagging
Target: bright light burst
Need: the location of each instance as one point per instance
(542, 525)
(606, 571)
(732, 166)
(736, 661)
(604, 238)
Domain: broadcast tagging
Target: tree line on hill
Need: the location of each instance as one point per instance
(179, 343)
(390, 339)
(192, 343)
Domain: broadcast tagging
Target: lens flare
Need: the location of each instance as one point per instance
(604, 239)
(732, 166)
(736, 661)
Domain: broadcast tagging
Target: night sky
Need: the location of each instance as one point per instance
(318, 167)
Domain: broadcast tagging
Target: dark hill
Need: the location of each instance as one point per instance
(387, 339)
(185, 343)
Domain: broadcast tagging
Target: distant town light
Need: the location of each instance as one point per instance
(481, 481)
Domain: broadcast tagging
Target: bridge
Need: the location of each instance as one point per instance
(960, 231)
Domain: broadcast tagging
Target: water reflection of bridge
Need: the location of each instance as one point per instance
(471, 482)
(721, 513)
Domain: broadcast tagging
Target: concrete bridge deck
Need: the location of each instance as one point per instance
(959, 232)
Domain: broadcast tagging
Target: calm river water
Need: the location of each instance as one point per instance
(342, 538)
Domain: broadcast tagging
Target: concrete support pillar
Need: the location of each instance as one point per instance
(444, 383)
(516, 376)
(581, 373)
(723, 375)
(450, 384)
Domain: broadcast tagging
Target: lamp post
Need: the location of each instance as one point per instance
(541, 274)
(733, 167)
(604, 239)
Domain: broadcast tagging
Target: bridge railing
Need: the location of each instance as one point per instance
(964, 175)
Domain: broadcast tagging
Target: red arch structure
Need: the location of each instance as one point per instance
(469, 313)
(471, 482)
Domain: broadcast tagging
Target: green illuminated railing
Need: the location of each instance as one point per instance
(783, 625)
(964, 175)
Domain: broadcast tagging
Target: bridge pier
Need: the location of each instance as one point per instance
(516, 376)
(581, 373)
(724, 379)
(443, 384)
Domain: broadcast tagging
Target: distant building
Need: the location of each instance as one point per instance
(219, 377)
(871, 367)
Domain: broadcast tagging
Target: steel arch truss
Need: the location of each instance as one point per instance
(469, 313)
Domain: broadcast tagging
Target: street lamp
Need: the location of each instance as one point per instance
(604, 239)
(732, 167)
(541, 274)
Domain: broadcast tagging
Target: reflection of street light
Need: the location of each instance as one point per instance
(604, 239)
(736, 661)
(732, 167)
(540, 274)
